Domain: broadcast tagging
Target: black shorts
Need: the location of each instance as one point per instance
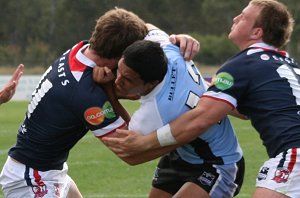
(172, 172)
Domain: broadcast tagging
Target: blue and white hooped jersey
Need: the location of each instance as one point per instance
(263, 84)
(177, 93)
(65, 105)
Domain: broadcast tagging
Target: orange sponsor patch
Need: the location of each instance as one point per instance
(94, 115)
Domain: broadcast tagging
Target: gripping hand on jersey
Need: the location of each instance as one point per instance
(126, 144)
(189, 46)
(103, 75)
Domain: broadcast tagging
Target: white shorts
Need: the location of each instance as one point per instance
(20, 181)
(282, 173)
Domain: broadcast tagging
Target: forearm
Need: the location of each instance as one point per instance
(184, 129)
(189, 125)
(148, 155)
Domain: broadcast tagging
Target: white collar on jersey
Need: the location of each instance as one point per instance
(83, 59)
(263, 45)
(155, 91)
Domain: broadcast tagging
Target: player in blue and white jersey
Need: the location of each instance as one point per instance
(210, 165)
(65, 105)
(263, 83)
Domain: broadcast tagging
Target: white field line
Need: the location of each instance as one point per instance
(114, 196)
(3, 151)
(100, 195)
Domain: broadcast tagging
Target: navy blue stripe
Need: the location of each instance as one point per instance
(26, 176)
(201, 147)
(281, 162)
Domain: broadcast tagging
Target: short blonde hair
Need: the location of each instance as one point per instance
(275, 20)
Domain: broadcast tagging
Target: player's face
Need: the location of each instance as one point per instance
(128, 81)
(243, 33)
(110, 63)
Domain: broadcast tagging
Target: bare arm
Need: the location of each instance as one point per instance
(139, 157)
(184, 129)
(9, 89)
(237, 114)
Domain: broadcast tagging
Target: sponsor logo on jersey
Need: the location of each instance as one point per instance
(39, 191)
(223, 81)
(108, 110)
(265, 57)
(281, 175)
(263, 173)
(206, 178)
(96, 115)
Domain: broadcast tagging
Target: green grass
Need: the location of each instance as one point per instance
(100, 174)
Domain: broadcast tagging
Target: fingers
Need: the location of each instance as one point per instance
(115, 144)
(192, 49)
(11, 86)
(189, 46)
(123, 132)
(111, 141)
(173, 39)
(7, 92)
(17, 74)
(118, 139)
(102, 75)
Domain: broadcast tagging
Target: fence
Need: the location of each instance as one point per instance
(26, 86)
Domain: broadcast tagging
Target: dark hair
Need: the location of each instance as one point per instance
(148, 59)
(116, 30)
(276, 22)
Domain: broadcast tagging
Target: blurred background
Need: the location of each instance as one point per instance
(35, 32)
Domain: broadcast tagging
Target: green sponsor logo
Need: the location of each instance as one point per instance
(108, 111)
(223, 81)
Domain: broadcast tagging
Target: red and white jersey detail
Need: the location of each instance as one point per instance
(119, 123)
(78, 61)
(222, 97)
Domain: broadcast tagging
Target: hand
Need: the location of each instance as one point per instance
(189, 46)
(9, 88)
(103, 75)
(126, 143)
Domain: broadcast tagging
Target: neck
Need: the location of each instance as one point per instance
(246, 44)
(89, 53)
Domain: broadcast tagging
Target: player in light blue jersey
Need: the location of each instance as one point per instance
(263, 83)
(211, 165)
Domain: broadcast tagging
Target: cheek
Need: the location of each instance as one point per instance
(125, 87)
(135, 90)
(238, 31)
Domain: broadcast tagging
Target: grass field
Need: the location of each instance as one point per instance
(100, 174)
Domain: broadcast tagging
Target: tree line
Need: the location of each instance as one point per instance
(35, 32)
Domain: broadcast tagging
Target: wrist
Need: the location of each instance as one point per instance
(165, 136)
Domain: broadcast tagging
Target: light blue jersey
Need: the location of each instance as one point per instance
(177, 93)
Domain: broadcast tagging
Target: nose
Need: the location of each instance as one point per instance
(235, 19)
(118, 79)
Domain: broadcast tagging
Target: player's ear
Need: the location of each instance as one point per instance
(257, 33)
